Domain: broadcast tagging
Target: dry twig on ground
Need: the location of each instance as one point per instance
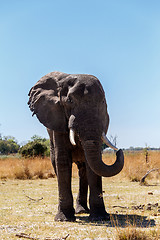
(32, 199)
(27, 236)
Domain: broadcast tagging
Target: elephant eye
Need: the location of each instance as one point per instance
(69, 100)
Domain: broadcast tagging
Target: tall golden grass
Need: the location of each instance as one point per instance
(131, 233)
(25, 168)
(136, 166)
(31, 168)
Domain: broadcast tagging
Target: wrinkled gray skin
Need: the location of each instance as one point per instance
(64, 101)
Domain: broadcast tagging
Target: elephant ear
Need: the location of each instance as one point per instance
(44, 101)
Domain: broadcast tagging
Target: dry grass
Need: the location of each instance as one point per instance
(132, 233)
(135, 164)
(134, 169)
(31, 168)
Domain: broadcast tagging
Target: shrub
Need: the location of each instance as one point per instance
(36, 147)
(33, 149)
(8, 145)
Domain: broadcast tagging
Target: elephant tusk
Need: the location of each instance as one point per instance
(107, 142)
(72, 137)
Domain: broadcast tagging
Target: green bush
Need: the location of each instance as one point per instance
(8, 145)
(37, 147)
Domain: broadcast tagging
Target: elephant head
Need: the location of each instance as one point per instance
(75, 104)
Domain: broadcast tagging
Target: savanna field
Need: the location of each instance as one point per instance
(29, 198)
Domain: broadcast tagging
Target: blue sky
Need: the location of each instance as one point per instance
(117, 41)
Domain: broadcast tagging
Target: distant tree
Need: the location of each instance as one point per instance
(114, 140)
(37, 147)
(44, 142)
(8, 145)
(38, 138)
(4, 147)
(146, 152)
(33, 149)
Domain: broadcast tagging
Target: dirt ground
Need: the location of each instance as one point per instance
(28, 207)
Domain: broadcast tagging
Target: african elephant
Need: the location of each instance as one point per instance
(73, 109)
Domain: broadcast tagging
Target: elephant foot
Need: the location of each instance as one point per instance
(99, 216)
(65, 216)
(81, 209)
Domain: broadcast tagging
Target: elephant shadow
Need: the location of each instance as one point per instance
(120, 220)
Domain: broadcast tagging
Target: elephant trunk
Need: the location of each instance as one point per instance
(93, 156)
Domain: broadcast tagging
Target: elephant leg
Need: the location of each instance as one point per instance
(52, 156)
(97, 208)
(52, 153)
(81, 202)
(63, 163)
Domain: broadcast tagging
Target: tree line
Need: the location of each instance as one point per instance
(37, 146)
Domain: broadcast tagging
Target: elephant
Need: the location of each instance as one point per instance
(73, 108)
